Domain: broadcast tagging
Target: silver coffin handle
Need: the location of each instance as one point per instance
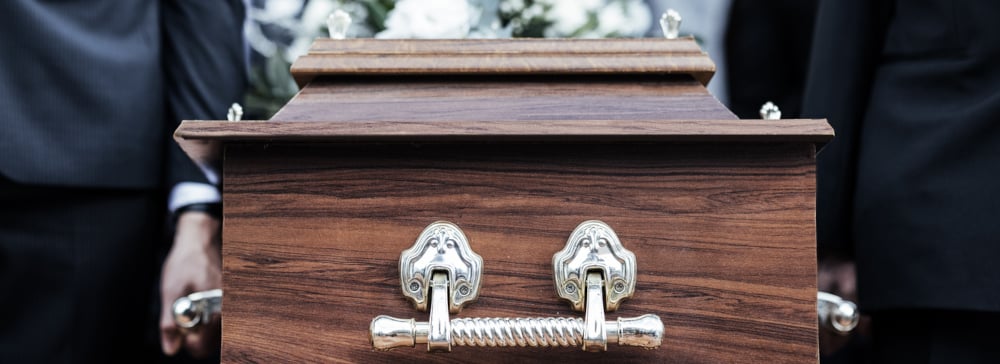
(591, 333)
(197, 309)
(836, 314)
(441, 273)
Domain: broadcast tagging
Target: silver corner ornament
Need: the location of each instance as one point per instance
(337, 23)
(235, 112)
(770, 111)
(670, 23)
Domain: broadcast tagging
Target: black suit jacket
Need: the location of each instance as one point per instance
(767, 54)
(909, 186)
(91, 90)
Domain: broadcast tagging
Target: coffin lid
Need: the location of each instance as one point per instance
(500, 91)
(523, 56)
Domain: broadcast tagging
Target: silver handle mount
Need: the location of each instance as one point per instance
(594, 273)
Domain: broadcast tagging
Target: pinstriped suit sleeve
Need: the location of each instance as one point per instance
(204, 61)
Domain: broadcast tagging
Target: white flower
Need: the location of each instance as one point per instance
(313, 17)
(626, 18)
(428, 19)
(591, 5)
(567, 16)
(315, 14)
(276, 10)
(511, 6)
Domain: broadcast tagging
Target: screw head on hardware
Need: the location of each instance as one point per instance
(570, 288)
(619, 287)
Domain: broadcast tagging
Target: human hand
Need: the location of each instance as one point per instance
(840, 278)
(193, 264)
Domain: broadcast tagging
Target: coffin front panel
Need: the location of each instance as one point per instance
(723, 234)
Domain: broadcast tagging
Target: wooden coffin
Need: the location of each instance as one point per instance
(516, 142)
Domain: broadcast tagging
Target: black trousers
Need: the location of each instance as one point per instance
(78, 270)
(935, 336)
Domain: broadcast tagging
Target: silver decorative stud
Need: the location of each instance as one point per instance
(770, 111)
(670, 23)
(337, 23)
(235, 112)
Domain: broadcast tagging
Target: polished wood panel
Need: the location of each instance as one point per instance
(504, 56)
(506, 98)
(557, 131)
(512, 46)
(723, 234)
(202, 140)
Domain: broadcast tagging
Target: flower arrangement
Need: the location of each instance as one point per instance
(510, 18)
(280, 31)
(428, 19)
(576, 18)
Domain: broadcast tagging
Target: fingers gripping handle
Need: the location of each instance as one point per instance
(197, 309)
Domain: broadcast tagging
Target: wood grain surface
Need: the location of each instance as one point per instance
(509, 98)
(503, 56)
(513, 46)
(806, 131)
(723, 233)
(202, 140)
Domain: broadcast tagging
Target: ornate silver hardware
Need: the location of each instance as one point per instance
(670, 24)
(337, 24)
(589, 268)
(770, 111)
(594, 246)
(836, 314)
(197, 308)
(442, 246)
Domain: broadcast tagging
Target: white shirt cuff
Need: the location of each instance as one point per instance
(186, 193)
